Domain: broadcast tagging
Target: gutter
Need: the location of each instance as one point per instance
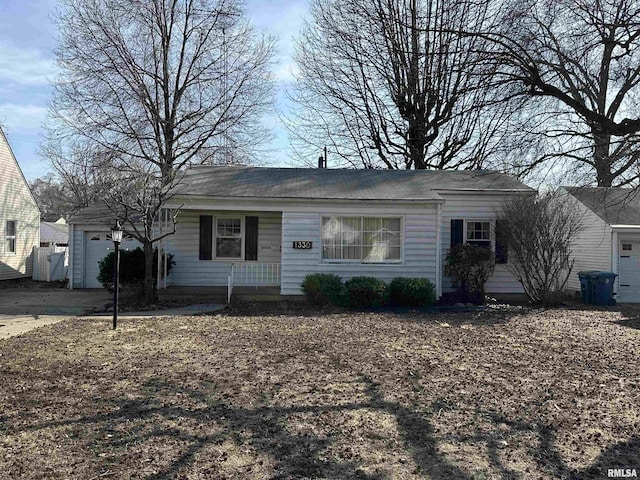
(176, 200)
(622, 228)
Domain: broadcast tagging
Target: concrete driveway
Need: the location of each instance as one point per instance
(23, 309)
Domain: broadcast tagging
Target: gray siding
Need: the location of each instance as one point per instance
(77, 257)
(480, 207)
(16, 203)
(591, 249)
(419, 255)
(189, 270)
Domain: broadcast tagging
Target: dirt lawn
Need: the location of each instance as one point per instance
(297, 394)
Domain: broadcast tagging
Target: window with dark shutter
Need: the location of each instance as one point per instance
(251, 239)
(457, 232)
(502, 245)
(206, 237)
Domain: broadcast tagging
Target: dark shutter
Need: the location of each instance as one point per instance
(457, 232)
(502, 245)
(251, 238)
(206, 240)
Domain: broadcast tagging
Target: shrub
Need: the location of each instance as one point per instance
(539, 230)
(364, 292)
(322, 288)
(131, 267)
(411, 292)
(470, 266)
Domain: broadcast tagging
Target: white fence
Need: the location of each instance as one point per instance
(50, 264)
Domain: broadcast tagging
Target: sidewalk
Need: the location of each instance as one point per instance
(12, 325)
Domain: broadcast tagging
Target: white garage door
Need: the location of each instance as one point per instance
(97, 246)
(629, 281)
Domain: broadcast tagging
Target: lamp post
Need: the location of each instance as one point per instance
(116, 237)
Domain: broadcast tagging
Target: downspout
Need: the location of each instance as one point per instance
(438, 250)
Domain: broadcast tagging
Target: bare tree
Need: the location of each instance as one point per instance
(393, 84)
(150, 87)
(578, 63)
(51, 198)
(539, 231)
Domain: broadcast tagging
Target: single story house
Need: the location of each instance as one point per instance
(54, 233)
(272, 226)
(19, 217)
(610, 240)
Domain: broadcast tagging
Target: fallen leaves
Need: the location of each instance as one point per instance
(276, 391)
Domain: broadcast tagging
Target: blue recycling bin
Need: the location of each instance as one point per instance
(586, 288)
(602, 288)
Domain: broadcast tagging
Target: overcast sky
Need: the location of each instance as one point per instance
(27, 40)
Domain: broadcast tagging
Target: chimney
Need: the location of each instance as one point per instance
(321, 162)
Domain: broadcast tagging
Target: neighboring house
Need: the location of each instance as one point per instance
(19, 217)
(272, 226)
(54, 233)
(611, 238)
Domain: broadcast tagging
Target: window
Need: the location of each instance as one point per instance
(627, 247)
(10, 237)
(361, 239)
(229, 238)
(481, 233)
(478, 233)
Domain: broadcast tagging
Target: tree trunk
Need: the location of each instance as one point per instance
(416, 142)
(601, 159)
(149, 284)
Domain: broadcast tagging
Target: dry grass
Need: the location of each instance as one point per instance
(550, 394)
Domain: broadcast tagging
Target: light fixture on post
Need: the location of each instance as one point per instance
(116, 237)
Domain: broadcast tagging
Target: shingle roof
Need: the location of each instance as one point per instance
(313, 183)
(51, 232)
(332, 184)
(614, 205)
(98, 214)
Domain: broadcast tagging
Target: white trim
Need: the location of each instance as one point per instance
(625, 227)
(615, 260)
(400, 261)
(439, 271)
(83, 235)
(492, 229)
(178, 200)
(71, 250)
(288, 205)
(6, 237)
(215, 257)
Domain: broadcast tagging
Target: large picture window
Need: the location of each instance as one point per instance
(362, 239)
(229, 238)
(10, 237)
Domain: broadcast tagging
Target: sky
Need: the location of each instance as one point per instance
(27, 67)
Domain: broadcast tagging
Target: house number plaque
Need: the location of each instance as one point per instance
(302, 245)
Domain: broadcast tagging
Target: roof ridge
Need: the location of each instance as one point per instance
(259, 167)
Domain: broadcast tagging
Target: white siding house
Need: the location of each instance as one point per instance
(19, 218)
(610, 240)
(273, 226)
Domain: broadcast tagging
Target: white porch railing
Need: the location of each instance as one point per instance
(253, 275)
